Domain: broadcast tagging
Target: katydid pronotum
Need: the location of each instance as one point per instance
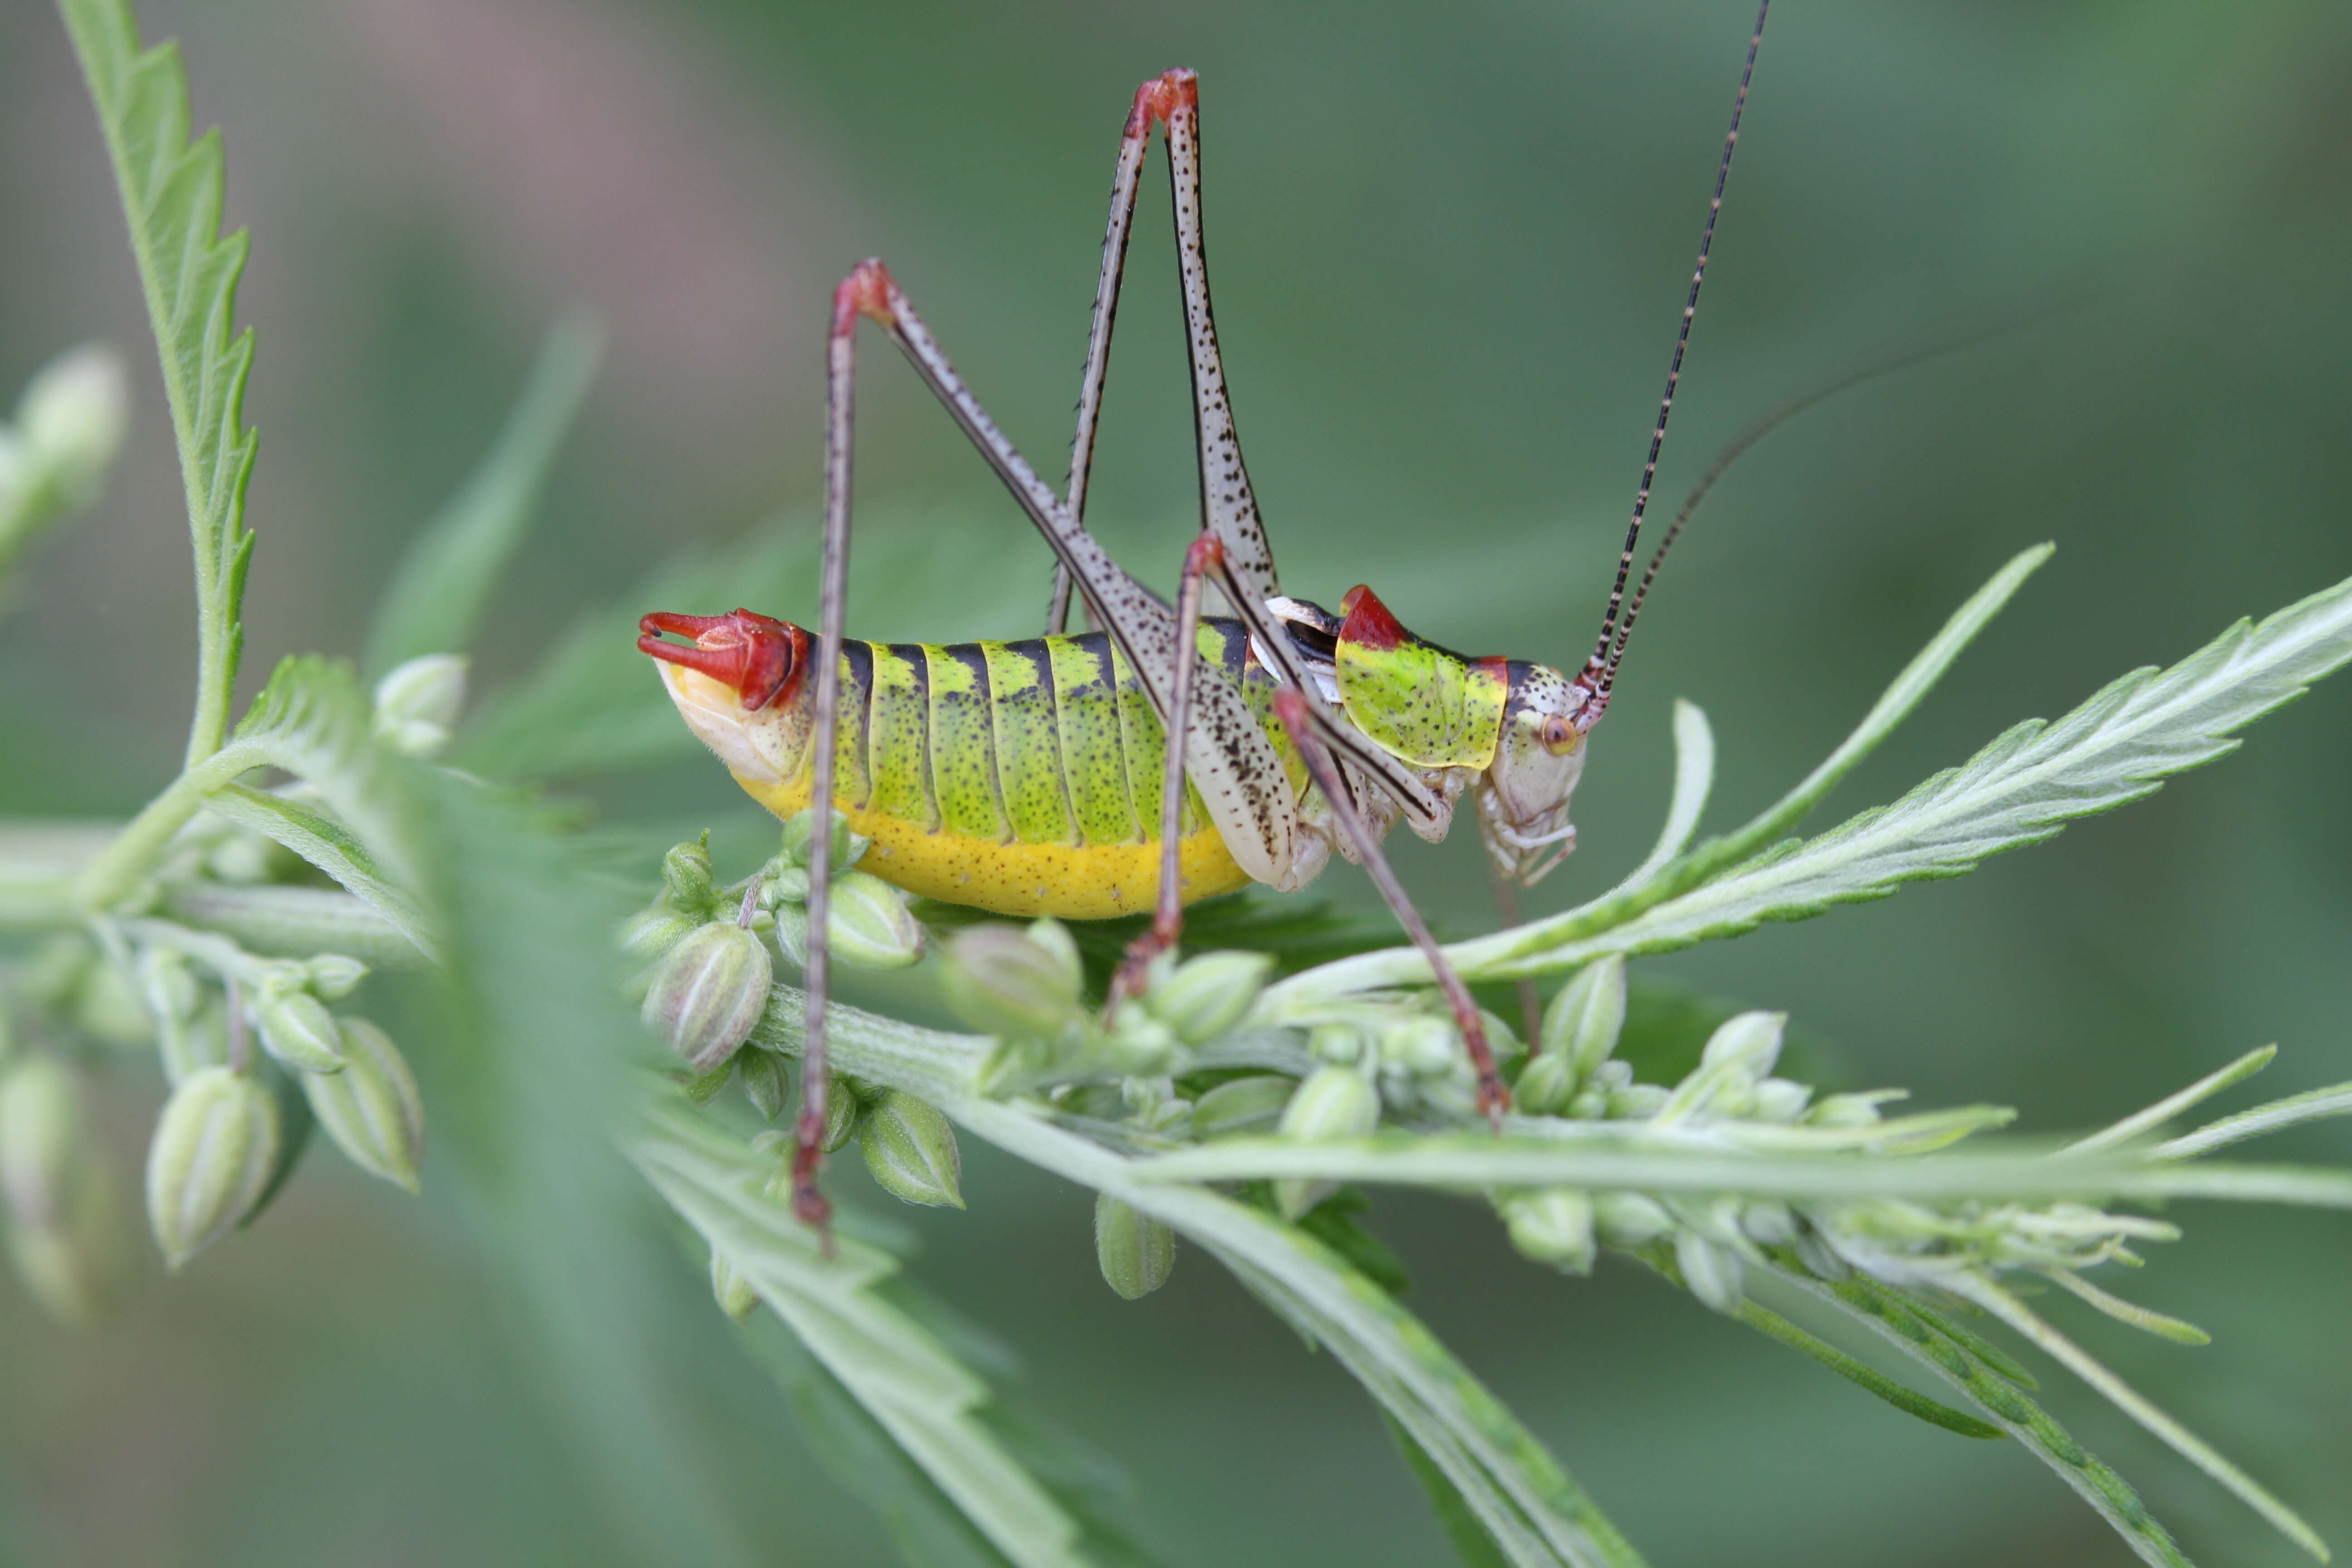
(1094, 775)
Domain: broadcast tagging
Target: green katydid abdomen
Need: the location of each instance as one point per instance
(1021, 777)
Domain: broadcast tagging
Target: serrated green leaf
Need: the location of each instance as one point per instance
(171, 190)
(1900, 1321)
(435, 598)
(919, 1392)
(328, 845)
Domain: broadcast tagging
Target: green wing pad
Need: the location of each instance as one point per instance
(1028, 743)
(1094, 762)
(899, 722)
(964, 743)
(1420, 703)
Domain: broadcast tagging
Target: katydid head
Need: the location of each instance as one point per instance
(735, 685)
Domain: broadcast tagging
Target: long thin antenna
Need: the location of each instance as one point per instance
(1843, 380)
(1598, 661)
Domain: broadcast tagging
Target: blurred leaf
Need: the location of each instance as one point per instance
(435, 597)
(526, 1066)
(171, 193)
(925, 1398)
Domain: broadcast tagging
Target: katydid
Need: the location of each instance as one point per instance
(1088, 776)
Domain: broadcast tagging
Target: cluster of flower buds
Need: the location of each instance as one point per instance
(69, 424)
(709, 969)
(1025, 986)
(220, 1144)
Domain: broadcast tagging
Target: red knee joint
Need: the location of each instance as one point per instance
(760, 657)
(867, 291)
(1206, 554)
(1160, 96)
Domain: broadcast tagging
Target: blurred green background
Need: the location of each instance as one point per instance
(1449, 246)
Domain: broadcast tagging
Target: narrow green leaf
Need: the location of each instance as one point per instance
(1693, 777)
(2001, 1304)
(435, 598)
(1470, 1541)
(2313, 1105)
(171, 191)
(1607, 1159)
(2172, 1105)
(1863, 1375)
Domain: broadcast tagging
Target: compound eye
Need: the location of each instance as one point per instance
(1559, 734)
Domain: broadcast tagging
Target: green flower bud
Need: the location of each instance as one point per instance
(416, 703)
(71, 418)
(1421, 1046)
(201, 1042)
(40, 1139)
(849, 848)
(1714, 1274)
(1140, 1045)
(296, 1026)
(1339, 1043)
(912, 1151)
(709, 992)
(1638, 1102)
(1240, 1105)
(109, 1006)
(212, 1153)
(1554, 1225)
(1845, 1111)
(1054, 937)
(170, 986)
(1779, 1101)
(1547, 1087)
(1002, 983)
(843, 1109)
(1330, 1103)
(686, 879)
(371, 1109)
(1583, 1022)
(1206, 996)
(867, 923)
(733, 1293)
(1137, 1252)
(83, 1265)
(650, 932)
(763, 1073)
(1769, 1222)
(1629, 1219)
(790, 931)
(334, 976)
(703, 1088)
(1746, 1045)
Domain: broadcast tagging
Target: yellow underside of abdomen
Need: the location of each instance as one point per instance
(1094, 882)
